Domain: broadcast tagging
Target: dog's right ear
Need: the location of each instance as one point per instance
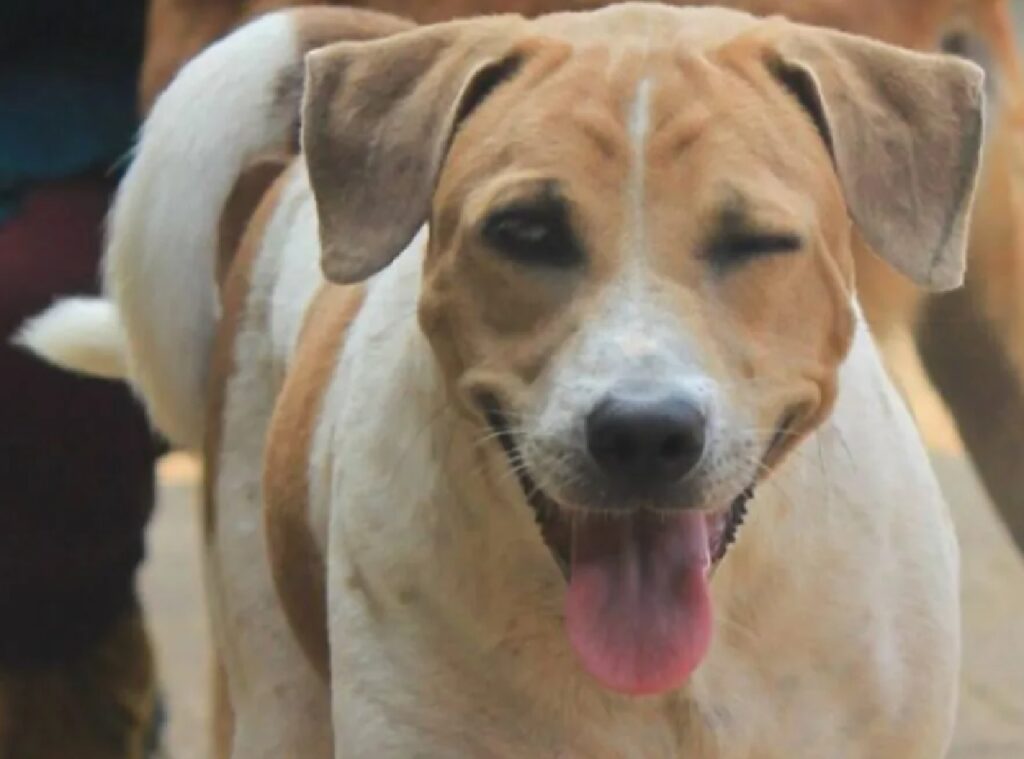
(378, 119)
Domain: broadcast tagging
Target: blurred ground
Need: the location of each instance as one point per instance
(173, 597)
(992, 709)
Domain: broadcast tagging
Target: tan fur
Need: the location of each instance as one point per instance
(246, 196)
(222, 718)
(233, 297)
(298, 566)
(460, 320)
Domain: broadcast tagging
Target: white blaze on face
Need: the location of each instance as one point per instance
(639, 124)
(633, 336)
(638, 611)
(638, 608)
(636, 345)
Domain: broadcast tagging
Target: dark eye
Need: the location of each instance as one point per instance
(533, 235)
(731, 249)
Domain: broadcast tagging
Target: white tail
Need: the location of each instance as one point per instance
(224, 109)
(81, 335)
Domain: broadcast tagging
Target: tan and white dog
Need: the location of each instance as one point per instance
(487, 502)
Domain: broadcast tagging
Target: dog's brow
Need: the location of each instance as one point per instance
(599, 128)
(548, 192)
(734, 216)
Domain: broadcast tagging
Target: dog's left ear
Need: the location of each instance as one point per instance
(378, 120)
(905, 132)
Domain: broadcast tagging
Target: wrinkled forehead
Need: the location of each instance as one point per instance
(638, 85)
(627, 52)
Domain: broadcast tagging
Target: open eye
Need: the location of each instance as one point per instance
(536, 234)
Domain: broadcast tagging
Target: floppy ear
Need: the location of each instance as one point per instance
(905, 132)
(378, 119)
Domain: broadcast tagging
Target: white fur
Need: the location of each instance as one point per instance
(219, 113)
(280, 704)
(78, 334)
(363, 333)
(636, 190)
(292, 229)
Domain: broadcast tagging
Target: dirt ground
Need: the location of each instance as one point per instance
(991, 722)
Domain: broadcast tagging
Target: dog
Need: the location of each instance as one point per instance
(541, 418)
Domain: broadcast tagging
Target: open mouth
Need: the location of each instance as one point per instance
(638, 609)
(556, 522)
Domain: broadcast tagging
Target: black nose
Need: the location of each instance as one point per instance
(644, 441)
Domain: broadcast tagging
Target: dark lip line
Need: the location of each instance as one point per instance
(545, 510)
(738, 509)
(733, 523)
(499, 424)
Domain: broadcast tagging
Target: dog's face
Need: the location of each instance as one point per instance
(650, 285)
(639, 280)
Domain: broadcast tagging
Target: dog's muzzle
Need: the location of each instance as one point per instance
(555, 523)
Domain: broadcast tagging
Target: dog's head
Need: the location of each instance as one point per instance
(639, 273)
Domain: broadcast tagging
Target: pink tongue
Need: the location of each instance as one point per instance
(638, 610)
